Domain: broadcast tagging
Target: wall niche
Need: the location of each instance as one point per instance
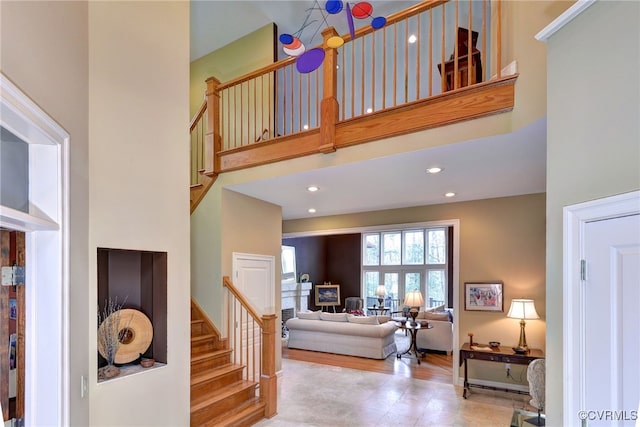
(137, 280)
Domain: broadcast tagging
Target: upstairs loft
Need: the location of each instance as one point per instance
(376, 85)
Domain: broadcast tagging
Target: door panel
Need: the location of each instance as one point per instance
(611, 319)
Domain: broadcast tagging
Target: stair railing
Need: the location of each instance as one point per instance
(252, 337)
(277, 113)
(198, 130)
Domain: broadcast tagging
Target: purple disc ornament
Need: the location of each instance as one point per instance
(310, 60)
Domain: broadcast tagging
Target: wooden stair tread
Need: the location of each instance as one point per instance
(201, 338)
(214, 373)
(210, 355)
(194, 186)
(209, 399)
(247, 410)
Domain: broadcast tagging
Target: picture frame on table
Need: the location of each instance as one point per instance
(484, 296)
(327, 295)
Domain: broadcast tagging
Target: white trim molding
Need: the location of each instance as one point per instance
(576, 9)
(47, 389)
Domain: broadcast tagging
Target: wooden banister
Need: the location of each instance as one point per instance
(243, 300)
(212, 140)
(267, 115)
(243, 342)
(198, 116)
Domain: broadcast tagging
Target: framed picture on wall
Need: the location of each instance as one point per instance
(481, 296)
(327, 295)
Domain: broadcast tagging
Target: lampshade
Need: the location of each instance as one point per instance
(380, 291)
(523, 309)
(414, 299)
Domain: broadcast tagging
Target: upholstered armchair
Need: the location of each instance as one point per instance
(353, 304)
(535, 377)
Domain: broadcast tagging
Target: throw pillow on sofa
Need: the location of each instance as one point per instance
(363, 320)
(309, 315)
(432, 315)
(334, 317)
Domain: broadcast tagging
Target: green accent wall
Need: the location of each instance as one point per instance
(236, 59)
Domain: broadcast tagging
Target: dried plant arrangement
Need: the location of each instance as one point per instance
(109, 336)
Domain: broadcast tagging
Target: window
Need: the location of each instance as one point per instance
(405, 260)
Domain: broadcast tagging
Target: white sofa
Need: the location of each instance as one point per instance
(342, 333)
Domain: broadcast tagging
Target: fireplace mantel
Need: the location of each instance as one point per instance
(296, 296)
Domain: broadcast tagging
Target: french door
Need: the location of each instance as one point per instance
(431, 282)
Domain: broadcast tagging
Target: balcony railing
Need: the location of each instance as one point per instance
(381, 83)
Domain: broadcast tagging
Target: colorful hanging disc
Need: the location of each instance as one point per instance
(333, 6)
(378, 22)
(335, 42)
(310, 60)
(286, 39)
(362, 10)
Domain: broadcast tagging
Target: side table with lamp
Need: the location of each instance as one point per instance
(414, 300)
(521, 355)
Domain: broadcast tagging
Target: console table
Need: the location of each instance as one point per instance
(498, 354)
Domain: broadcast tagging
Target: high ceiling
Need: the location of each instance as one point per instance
(217, 23)
(507, 165)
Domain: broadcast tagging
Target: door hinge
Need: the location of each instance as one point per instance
(13, 276)
(583, 270)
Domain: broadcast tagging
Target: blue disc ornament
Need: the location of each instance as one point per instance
(378, 22)
(286, 38)
(333, 6)
(310, 60)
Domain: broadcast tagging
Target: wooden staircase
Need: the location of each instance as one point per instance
(219, 394)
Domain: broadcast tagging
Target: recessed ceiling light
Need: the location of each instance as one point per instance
(305, 127)
(449, 194)
(412, 38)
(369, 110)
(312, 210)
(312, 188)
(434, 170)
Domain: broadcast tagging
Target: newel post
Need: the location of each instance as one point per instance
(213, 140)
(268, 379)
(329, 103)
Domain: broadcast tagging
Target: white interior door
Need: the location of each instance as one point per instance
(254, 276)
(603, 321)
(612, 321)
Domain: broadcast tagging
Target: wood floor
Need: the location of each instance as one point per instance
(433, 367)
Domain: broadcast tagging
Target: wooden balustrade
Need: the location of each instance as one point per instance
(252, 338)
(374, 86)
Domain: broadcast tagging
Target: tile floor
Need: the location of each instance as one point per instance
(311, 394)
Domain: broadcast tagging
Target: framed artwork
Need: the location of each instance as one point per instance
(13, 308)
(327, 295)
(483, 296)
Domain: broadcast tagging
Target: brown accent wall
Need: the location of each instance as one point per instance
(329, 258)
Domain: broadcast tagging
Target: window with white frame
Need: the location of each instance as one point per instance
(405, 260)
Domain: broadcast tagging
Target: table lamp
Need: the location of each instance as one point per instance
(522, 309)
(414, 300)
(380, 293)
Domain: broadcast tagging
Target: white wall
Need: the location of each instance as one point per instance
(593, 147)
(49, 62)
(139, 187)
